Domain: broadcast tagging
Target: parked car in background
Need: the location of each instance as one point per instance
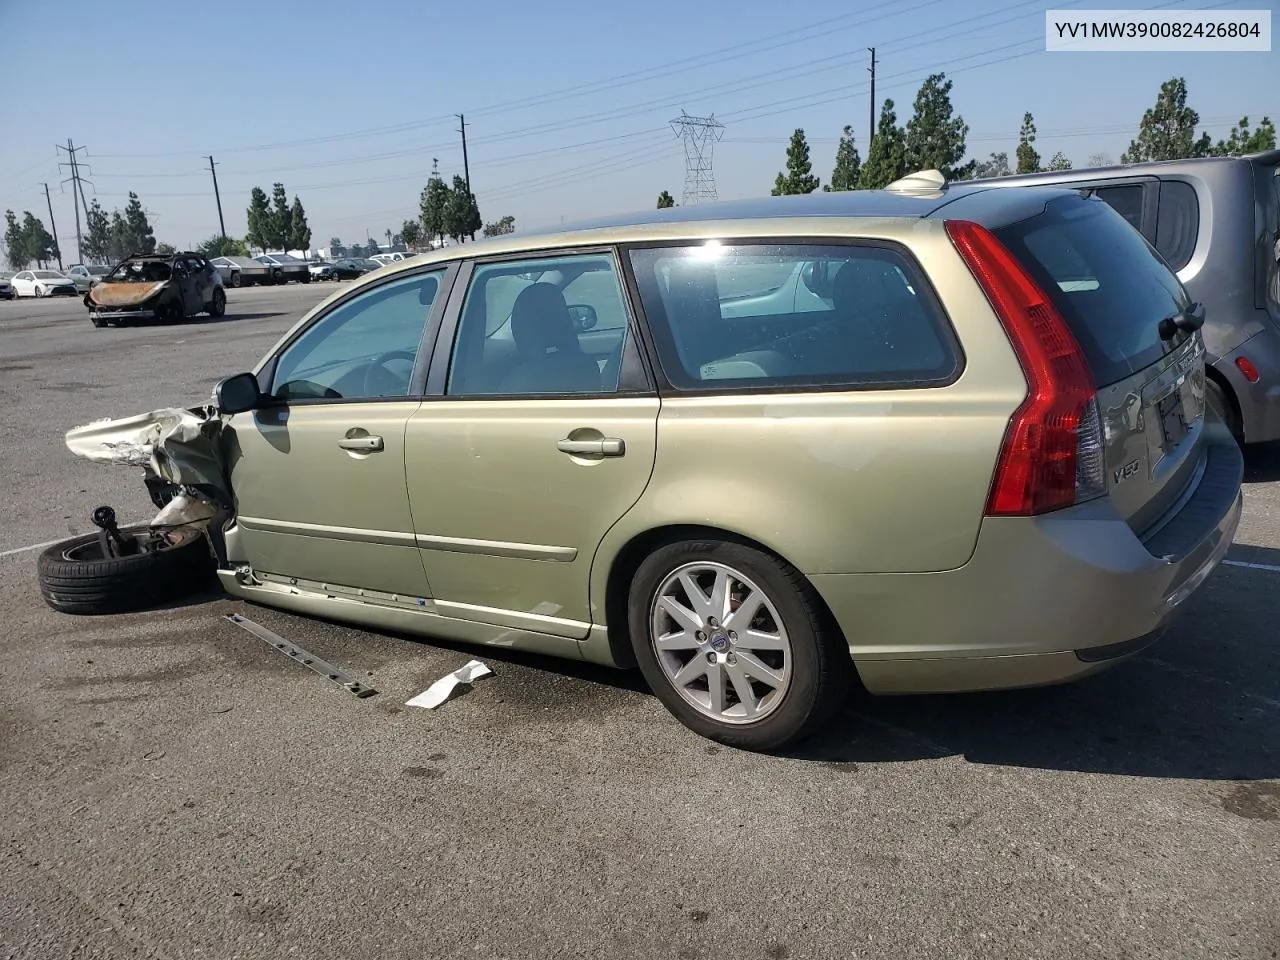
(157, 287)
(241, 271)
(321, 270)
(7, 292)
(281, 267)
(43, 283)
(394, 257)
(370, 264)
(86, 275)
(348, 269)
(750, 447)
(1216, 220)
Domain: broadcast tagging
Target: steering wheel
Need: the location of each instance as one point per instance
(391, 384)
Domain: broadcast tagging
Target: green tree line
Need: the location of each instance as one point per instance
(27, 239)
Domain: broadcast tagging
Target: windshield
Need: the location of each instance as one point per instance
(47, 275)
(140, 271)
(99, 271)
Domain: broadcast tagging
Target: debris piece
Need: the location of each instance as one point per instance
(307, 659)
(153, 755)
(441, 690)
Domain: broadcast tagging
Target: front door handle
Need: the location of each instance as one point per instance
(608, 447)
(367, 443)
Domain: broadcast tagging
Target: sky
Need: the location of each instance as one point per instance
(567, 104)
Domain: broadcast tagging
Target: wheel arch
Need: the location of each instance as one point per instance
(1216, 377)
(626, 561)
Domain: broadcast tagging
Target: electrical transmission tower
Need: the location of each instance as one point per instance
(77, 182)
(699, 135)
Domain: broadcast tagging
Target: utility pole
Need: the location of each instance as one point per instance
(871, 130)
(53, 227)
(221, 225)
(77, 193)
(466, 168)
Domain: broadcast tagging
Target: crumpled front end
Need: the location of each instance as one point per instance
(181, 453)
(125, 301)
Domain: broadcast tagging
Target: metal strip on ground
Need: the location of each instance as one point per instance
(304, 657)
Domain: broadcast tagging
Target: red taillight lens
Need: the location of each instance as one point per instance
(1038, 467)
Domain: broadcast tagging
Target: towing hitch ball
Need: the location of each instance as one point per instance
(113, 542)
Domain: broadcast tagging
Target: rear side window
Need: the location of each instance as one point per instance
(760, 316)
(1177, 222)
(1104, 278)
(1126, 201)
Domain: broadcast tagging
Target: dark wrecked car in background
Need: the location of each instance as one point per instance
(157, 287)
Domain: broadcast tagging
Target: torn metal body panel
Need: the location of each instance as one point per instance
(126, 294)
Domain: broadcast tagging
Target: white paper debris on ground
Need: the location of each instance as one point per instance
(442, 689)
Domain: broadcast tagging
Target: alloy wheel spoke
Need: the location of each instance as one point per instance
(761, 640)
(695, 668)
(680, 640)
(682, 615)
(741, 618)
(715, 686)
(742, 687)
(756, 668)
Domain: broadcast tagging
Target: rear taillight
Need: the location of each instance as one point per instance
(1052, 456)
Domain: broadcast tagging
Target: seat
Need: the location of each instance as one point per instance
(550, 358)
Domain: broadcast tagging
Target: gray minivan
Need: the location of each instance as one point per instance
(1216, 220)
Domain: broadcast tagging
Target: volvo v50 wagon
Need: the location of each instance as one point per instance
(932, 438)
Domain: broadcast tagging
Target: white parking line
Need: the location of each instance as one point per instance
(34, 546)
(1269, 567)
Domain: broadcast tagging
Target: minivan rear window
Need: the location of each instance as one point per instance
(1108, 283)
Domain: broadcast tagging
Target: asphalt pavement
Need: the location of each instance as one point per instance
(171, 786)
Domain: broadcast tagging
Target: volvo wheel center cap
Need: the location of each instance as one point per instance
(720, 642)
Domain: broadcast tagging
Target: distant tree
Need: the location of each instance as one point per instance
(886, 160)
(1059, 162)
(935, 138)
(1168, 130)
(166, 249)
(15, 242)
(281, 219)
(1241, 140)
(461, 212)
(336, 248)
(1100, 160)
(665, 200)
(848, 165)
(259, 216)
(411, 234)
(37, 242)
(220, 246)
(299, 231)
(97, 236)
(120, 244)
(141, 237)
(799, 177)
(434, 205)
(996, 166)
(499, 227)
(1028, 158)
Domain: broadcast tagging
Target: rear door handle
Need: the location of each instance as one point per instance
(608, 447)
(361, 443)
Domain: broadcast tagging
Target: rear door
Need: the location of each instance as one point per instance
(1134, 321)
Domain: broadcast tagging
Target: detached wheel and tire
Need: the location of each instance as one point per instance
(735, 644)
(76, 577)
(218, 306)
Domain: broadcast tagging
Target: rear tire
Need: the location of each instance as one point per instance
(75, 578)
(219, 304)
(1217, 401)
(235, 279)
(277, 277)
(806, 652)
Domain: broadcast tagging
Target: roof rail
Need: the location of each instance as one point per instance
(921, 183)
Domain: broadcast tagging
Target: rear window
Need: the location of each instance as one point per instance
(1177, 222)
(1105, 279)
(762, 316)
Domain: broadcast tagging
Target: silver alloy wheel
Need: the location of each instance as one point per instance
(721, 642)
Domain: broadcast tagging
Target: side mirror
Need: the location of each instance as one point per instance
(237, 394)
(817, 277)
(584, 316)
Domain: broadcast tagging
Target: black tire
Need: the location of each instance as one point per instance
(75, 578)
(821, 669)
(235, 278)
(1217, 401)
(218, 306)
(277, 277)
(305, 277)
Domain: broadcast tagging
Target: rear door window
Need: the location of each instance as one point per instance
(1177, 222)
(1126, 200)
(1106, 280)
(742, 317)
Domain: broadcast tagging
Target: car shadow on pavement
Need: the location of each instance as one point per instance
(1202, 703)
(1262, 463)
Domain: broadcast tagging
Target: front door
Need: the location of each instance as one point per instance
(318, 472)
(542, 436)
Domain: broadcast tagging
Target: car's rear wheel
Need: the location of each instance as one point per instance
(735, 644)
(277, 277)
(235, 279)
(218, 306)
(76, 576)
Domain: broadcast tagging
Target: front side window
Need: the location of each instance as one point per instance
(364, 349)
(792, 315)
(554, 327)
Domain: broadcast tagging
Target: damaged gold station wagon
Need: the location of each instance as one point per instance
(936, 437)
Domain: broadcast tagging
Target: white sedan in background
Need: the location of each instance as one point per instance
(43, 283)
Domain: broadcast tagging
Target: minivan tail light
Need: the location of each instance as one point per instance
(1052, 455)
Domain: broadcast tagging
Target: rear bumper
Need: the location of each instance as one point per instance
(1042, 600)
(1259, 402)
